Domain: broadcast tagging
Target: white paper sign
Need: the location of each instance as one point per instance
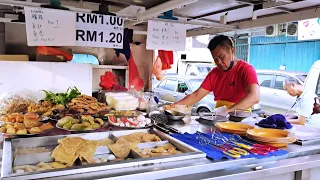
(50, 27)
(309, 29)
(166, 36)
(97, 30)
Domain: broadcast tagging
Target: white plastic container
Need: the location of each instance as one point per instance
(122, 101)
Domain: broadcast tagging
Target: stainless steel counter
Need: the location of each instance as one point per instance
(302, 162)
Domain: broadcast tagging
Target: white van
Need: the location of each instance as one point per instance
(312, 81)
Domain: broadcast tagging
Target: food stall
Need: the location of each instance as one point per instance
(57, 130)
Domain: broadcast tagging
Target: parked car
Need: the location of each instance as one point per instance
(273, 98)
(174, 88)
(155, 82)
(199, 69)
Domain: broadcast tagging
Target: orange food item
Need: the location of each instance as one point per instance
(19, 118)
(46, 126)
(12, 117)
(31, 120)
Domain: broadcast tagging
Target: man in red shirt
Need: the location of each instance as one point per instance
(233, 82)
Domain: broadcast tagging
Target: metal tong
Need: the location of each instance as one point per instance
(225, 148)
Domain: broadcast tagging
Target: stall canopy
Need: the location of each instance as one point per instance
(202, 16)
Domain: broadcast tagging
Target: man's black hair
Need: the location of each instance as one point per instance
(220, 40)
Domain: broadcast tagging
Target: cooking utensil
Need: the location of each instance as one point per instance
(162, 129)
(254, 150)
(229, 152)
(239, 114)
(234, 148)
(158, 117)
(211, 118)
(170, 128)
(232, 153)
(175, 118)
(238, 138)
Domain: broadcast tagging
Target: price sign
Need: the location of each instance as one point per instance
(166, 36)
(49, 27)
(97, 30)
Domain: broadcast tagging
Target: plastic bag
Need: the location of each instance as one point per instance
(134, 77)
(222, 111)
(157, 69)
(18, 101)
(108, 80)
(43, 50)
(143, 101)
(166, 58)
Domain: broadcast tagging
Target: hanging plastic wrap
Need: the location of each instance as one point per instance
(157, 69)
(19, 101)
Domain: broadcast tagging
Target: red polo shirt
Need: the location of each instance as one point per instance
(231, 85)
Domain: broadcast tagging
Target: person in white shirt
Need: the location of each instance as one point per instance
(304, 102)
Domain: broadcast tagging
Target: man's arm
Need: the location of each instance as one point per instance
(193, 98)
(252, 97)
(300, 121)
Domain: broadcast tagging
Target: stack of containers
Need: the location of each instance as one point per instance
(272, 137)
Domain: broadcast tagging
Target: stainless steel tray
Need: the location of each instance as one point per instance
(11, 144)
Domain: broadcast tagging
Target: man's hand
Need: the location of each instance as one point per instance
(252, 97)
(300, 121)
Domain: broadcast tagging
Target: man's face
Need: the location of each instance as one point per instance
(222, 57)
(291, 89)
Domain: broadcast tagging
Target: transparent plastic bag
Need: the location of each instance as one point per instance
(157, 69)
(17, 102)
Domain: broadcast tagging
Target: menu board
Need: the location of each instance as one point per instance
(97, 30)
(50, 27)
(309, 29)
(166, 36)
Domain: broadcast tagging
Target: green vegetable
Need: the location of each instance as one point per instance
(77, 127)
(62, 98)
(63, 121)
(67, 125)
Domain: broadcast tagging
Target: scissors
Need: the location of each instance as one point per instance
(253, 147)
(238, 150)
(231, 153)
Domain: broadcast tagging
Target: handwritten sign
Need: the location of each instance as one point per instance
(309, 29)
(166, 36)
(50, 27)
(97, 30)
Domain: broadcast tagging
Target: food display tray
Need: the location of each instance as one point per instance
(10, 144)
